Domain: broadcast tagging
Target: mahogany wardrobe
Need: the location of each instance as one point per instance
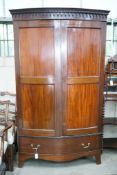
(59, 60)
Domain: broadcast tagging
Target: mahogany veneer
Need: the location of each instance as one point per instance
(59, 58)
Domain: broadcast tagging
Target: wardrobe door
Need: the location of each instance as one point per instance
(81, 76)
(38, 70)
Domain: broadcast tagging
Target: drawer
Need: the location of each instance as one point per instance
(60, 145)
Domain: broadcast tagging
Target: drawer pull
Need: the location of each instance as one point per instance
(86, 146)
(36, 149)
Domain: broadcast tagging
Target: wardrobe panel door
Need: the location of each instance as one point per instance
(81, 77)
(38, 77)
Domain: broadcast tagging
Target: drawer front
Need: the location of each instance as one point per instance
(59, 145)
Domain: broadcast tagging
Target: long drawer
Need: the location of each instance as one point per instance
(60, 145)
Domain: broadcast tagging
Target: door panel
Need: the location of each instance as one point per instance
(82, 106)
(83, 50)
(36, 51)
(38, 106)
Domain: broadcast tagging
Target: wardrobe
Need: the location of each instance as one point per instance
(59, 60)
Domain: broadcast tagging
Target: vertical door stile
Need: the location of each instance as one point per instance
(101, 82)
(58, 111)
(64, 71)
(17, 71)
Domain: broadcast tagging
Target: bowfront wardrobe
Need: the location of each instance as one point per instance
(59, 60)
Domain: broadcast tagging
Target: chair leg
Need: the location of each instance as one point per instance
(9, 158)
(15, 143)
